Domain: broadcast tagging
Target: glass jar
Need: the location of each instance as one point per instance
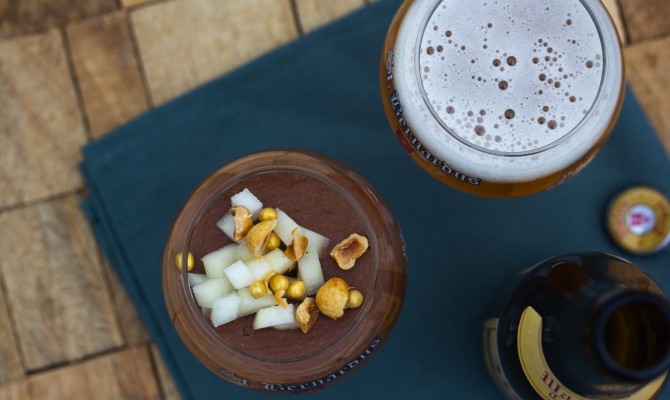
(322, 195)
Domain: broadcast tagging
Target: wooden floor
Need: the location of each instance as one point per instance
(70, 71)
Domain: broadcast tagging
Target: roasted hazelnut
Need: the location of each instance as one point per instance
(349, 250)
(296, 250)
(258, 236)
(331, 298)
(242, 222)
(306, 314)
(279, 298)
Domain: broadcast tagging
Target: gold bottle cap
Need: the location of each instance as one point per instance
(638, 220)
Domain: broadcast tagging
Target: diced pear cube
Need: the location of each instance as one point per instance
(286, 227)
(211, 289)
(315, 241)
(309, 271)
(194, 279)
(279, 261)
(260, 268)
(227, 225)
(250, 305)
(216, 261)
(239, 275)
(225, 309)
(242, 253)
(247, 199)
(273, 316)
(284, 327)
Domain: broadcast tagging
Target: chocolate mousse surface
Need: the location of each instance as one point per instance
(317, 206)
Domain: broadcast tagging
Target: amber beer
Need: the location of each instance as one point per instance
(502, 98)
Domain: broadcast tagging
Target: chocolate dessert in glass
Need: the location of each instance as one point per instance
(284, 271)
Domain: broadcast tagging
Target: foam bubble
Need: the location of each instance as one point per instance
(516, 42)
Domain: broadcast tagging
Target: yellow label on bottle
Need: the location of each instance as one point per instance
(538, 373)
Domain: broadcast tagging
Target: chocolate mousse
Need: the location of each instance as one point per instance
(314, 205)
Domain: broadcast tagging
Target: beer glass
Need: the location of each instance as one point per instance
(502, 98)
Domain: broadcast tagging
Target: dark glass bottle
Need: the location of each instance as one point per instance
(581, 326)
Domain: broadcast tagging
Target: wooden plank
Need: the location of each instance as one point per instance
(41, 129)
(121, 375)
(10, 367)
(60, 301)
(107, 70)
(130, 323)
(168, 387)
(614, 10)
(21, 17)
(185, 43)
(315, 13)
(647, 67)
(133, 3)
(646, 19)
(611, 5)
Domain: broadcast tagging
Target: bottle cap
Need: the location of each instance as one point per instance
(638, 220)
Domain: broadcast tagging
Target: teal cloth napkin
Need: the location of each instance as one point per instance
(321, 93)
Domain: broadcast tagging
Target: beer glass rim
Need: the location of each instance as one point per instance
(607, 58)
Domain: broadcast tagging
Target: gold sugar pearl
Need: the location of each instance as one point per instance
(267, 214)
(190, 261)
(296, 289)
(278, 282)
(355, 299)
(273, 242)
(258, 289)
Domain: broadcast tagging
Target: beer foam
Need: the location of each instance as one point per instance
(507, 78)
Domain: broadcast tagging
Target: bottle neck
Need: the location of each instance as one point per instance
(608, 340)
(630, 336)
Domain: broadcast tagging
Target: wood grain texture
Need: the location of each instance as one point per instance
(125, 374)
(27, 16)
(614, 10)
(646, 19)
(168, 387)
(10, 364)
(60, 302)
(107, 70)
(315, 13)
(185, 43)
(133, 3)
(647, 68)
(41, 129)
